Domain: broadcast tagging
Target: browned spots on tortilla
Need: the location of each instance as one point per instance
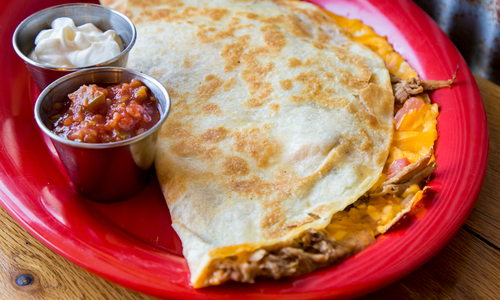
(234, 166)
(248, 15)
(254, 102)
(157, 14)
(371, 121)
(322, 36)
(211, 34)
(175, 130)
(275, 40)
(169, 15)
(270, 27)
(317, 16)
(274, 107)
(289, 23)
(286, 84)
(211, 153)
(360, 76)
(209, 89)
(314, 61)
(345, 77)
(256, 144)
(204, 34)
(213, 13)
(210, 77)
(234, 22)
(224, 34)
(214, 135)
(294, 25)
(233, 52)
(264, 90)
(255, 72)
(188, 147)
(293, 62)
(313, 91)
(357, 83)
(252, 186)
(286, 182)
(148, 3)
(229, 84)
(261, 51)
(267, 126)
(366, 143)
(313, 84)
(272, 222)
(211, 108)
(173, 93)
(361, 68)
(188, 12)
(371, 94)
(319, 46)
(187, 63)
(350, 107)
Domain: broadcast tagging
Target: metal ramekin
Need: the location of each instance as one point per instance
(102, 17)
(106, 171)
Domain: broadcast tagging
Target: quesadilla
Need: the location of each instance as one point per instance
(279, 122)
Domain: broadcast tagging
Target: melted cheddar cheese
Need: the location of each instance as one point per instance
(359, 32)
(413, 138)
(416, 134)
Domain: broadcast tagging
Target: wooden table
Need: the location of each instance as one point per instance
(468, 268)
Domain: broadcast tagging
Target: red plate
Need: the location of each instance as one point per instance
(132, 243)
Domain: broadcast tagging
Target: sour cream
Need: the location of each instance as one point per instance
(68, 46)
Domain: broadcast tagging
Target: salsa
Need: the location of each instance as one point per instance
(94, 114)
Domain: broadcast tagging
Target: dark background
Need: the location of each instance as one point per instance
(474, 27)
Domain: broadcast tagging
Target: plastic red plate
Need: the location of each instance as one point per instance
(132, 243)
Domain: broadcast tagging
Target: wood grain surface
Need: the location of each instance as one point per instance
(467, 268)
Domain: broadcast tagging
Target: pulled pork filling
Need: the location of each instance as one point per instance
(405, 88)
(310, 251)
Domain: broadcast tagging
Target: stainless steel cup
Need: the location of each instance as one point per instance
(108, 171)
(102, 17)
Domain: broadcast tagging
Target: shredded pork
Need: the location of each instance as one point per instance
(405, 88)
(308, 252)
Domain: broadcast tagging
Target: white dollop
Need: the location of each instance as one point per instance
(68, 46)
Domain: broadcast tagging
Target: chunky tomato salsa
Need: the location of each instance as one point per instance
(94, 114)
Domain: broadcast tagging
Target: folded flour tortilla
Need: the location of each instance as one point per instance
(278, 121)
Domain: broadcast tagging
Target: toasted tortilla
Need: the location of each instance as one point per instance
(278, 121)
